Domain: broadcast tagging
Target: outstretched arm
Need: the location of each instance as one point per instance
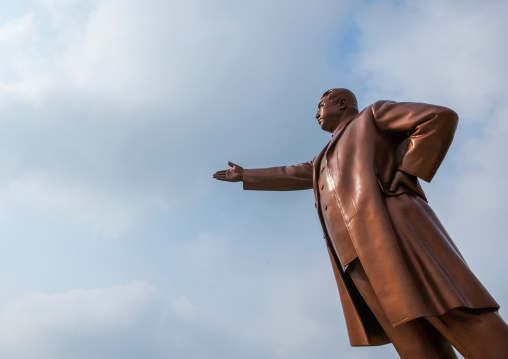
(285, 178)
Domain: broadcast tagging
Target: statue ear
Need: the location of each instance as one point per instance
(342, 103)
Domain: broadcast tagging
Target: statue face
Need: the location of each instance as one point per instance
(329, 112)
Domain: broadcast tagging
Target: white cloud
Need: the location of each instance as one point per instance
(111, 109)
(109, 214)
(15, 30)
(269, 313)
(113, 101)
(435, 51)
(36, 325)
(123, 321)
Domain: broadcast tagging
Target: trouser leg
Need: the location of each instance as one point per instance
(476, 334)
(416, 339)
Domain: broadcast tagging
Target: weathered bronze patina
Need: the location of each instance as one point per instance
(401, 278)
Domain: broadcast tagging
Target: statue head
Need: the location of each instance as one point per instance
(336, 106)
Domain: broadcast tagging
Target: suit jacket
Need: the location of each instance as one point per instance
(413, 265)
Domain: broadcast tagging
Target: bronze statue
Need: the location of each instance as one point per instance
(401, 278)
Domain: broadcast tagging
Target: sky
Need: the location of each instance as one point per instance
(114, 114)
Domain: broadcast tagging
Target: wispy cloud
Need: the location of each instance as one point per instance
(114, 114)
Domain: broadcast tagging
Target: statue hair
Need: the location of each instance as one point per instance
(340, 93)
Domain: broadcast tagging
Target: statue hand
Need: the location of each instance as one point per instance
(235, 174)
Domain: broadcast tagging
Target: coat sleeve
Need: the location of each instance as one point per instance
(430, 130)
(285, 178)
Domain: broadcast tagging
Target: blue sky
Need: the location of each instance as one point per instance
(114, 114)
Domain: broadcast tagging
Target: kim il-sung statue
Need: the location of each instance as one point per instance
(401, 278)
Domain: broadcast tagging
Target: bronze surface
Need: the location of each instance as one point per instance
(375, 216)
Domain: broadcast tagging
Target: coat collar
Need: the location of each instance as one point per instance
(330, 145)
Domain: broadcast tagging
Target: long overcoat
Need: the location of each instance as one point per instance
(413, 265)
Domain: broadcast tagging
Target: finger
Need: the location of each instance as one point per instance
(220, 172)
(231, 164)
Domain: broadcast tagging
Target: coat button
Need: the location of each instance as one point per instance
(321, 187)
(322, 169)
(326, 207)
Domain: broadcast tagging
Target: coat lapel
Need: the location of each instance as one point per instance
(336, 136)
(317, 160)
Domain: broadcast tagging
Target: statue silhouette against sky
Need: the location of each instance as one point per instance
(401, 278)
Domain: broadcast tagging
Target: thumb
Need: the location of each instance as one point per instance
(231, 164)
